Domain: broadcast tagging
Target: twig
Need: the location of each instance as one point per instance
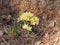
(5, 41)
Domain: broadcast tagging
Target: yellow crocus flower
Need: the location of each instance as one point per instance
(26, 16)
(27, 27)
(34, 20)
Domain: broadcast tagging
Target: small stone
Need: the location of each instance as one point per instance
(38, 43)
(1, 33)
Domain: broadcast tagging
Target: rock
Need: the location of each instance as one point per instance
(38, 43)
(1, 33)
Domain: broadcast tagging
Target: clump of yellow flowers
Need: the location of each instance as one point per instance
(29, 19)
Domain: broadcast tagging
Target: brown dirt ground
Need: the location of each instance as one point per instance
(48, 30)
